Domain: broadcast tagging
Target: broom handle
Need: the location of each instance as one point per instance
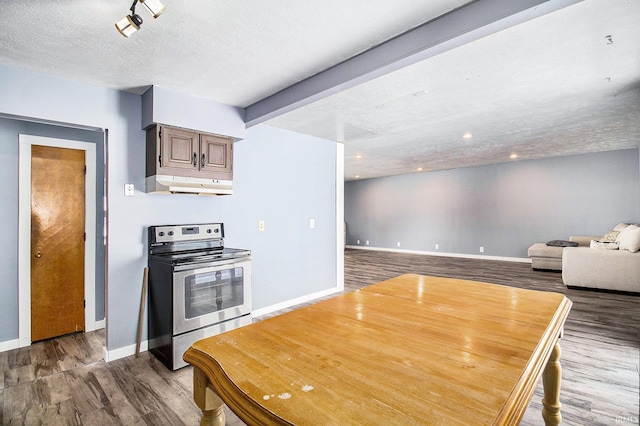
(143, 301)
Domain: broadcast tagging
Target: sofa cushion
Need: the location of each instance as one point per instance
(543, 250)
(607, 245)
(630, 238)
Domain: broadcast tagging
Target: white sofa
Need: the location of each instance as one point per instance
(600, 268)
(545, 258)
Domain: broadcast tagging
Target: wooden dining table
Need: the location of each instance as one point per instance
(412, 350)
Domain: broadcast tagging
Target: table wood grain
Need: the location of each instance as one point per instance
(410, 350)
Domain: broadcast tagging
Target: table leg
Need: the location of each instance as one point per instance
(207, 400)
(551, 378)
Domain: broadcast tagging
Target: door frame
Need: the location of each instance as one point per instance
(24, 232)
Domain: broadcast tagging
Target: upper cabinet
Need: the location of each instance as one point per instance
(216, 155)
(187, 153)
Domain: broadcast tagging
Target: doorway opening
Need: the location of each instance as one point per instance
(24, 239)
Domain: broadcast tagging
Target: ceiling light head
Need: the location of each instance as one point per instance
(513, 156)
(129, 24)
(132, 22)
(358, 156)
(154, 7)
(467, 135)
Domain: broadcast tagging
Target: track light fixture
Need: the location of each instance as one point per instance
(131, 23)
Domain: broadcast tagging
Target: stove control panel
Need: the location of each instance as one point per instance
(177, 233)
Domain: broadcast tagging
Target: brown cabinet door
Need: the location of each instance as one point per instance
(188, 153)
(179, 150)
(216, 157)
(57, 241)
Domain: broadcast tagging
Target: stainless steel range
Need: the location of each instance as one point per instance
(197, 288)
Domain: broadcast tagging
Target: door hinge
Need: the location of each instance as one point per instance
(160, 160)
(84, 303)
(85, 170)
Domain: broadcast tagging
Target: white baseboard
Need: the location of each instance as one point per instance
(7, 345)
(123, 352)
(268, 309)
(126, 351)
(131, 349)
(438, 253)
(15, 344)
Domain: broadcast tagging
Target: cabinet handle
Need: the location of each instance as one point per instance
(202, 162)
(195, 160)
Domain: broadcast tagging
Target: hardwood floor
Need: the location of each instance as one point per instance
(65, 380)
(600, 347)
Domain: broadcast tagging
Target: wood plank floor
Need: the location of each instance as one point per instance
(65, 381)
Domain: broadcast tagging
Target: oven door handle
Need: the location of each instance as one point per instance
(199, 268)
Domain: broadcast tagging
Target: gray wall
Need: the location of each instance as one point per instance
(285, 179)
(502, 207)
(272, 182)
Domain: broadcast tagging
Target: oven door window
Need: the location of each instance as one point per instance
(209, 292)
(207, 295)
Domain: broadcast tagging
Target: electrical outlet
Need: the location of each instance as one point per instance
(261, 225)
(357, 241)
(481, 249)
(437, 247)
(366, 243)
(312, 223)
(398, 244)
(128, 190)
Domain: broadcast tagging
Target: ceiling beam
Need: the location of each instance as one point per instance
(456, 28)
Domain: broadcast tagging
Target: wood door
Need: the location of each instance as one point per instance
(216, 157)
(179, 150)
(57, 241)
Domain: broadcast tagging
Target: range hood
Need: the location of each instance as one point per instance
(163, 184)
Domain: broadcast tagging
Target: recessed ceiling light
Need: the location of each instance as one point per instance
(419, 169)
(467, 135)
(357, 176)
(513, 156)
(358, 155)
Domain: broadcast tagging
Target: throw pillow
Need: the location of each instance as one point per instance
(610, 236)
(562, 243)
(607, 245)
(630, 238)
(619, 227)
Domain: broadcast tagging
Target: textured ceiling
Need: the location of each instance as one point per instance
(235, 52)
(552, 86)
